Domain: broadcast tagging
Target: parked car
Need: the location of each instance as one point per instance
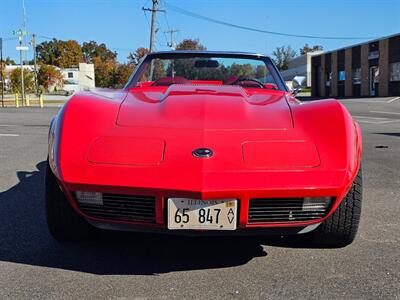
(201, 143)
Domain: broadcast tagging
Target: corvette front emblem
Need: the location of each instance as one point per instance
(202, 153)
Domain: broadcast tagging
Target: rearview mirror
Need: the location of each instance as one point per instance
(206, 63)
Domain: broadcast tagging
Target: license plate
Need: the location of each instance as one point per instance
(186, 213)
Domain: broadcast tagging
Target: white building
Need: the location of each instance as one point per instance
(79, 78)
(75, 79)
(299, 66)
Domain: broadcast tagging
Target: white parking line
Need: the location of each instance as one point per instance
(384, 112)
(9, 134)
(367, 117)
(377, 122)
(374, 120)
(394, 99)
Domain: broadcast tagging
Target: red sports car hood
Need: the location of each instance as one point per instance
(204, 108)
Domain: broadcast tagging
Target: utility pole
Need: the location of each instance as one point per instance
(1, 72)
(35, 62)
(154, 11)
(172, 43)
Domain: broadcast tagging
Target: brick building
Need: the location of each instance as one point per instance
(363, 70)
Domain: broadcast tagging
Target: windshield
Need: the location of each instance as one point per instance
(245, 71)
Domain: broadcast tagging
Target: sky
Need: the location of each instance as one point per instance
(123, 26)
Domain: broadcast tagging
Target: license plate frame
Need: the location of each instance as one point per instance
(192, 217)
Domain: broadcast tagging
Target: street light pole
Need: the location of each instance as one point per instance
(21, 34)
(22, 72)
(35, 62)
(1, 72)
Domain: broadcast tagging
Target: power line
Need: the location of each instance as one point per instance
(201, 17)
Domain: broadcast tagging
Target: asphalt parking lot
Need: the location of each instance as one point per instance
(33, 265)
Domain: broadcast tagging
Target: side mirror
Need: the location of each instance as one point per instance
(298, 83)
(296, 90)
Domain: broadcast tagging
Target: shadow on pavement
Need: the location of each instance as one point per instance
(389, 133)
(24, 239)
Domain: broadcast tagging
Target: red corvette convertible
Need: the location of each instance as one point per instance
(204, 143)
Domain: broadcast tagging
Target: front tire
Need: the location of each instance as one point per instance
(340, 229)
(63, 222)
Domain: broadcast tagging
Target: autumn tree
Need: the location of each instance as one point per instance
(49, 76)
(306, 48)
(59, 53)
(282, 56)
(15, 79)
(3, 71)
(104, 72)
(91, 50)
(190, 44)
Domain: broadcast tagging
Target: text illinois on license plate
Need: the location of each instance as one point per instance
(184, 213)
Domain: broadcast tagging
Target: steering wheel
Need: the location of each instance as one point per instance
(241, 79)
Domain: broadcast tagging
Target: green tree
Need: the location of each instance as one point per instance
(241, 70)
(122, 72)
(306, 48)
(282, 56)
(49, 76)
(9, 61)
(60, 53)
(91, 50)
(29, 81)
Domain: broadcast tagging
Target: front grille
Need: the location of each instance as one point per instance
(122, 208)
(279, 210)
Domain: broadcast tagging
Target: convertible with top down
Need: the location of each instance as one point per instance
(204, 143)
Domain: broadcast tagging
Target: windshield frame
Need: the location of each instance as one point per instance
(134, 79)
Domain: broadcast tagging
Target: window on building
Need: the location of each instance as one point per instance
(342, 75)
(70, 75)
(395, 71)
(357, 76)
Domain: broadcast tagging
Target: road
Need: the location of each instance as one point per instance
(33, 265)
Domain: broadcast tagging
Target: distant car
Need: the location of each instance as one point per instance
(204, 143)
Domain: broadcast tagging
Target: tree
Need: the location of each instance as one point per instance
(282, 57)
(9, 61)
(122, 72)
(50, 76)
(136, 56)
(29, 81)
(190, 44)
(104, 60)
(3, 71)
(91, 50)
(59, 53)
(305, 49)
(104, 72)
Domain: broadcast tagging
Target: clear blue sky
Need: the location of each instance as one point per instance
(122, 25)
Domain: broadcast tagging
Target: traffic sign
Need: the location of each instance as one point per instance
(22, 48)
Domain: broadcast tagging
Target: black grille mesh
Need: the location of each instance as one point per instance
(278, 210)
(122, 208)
